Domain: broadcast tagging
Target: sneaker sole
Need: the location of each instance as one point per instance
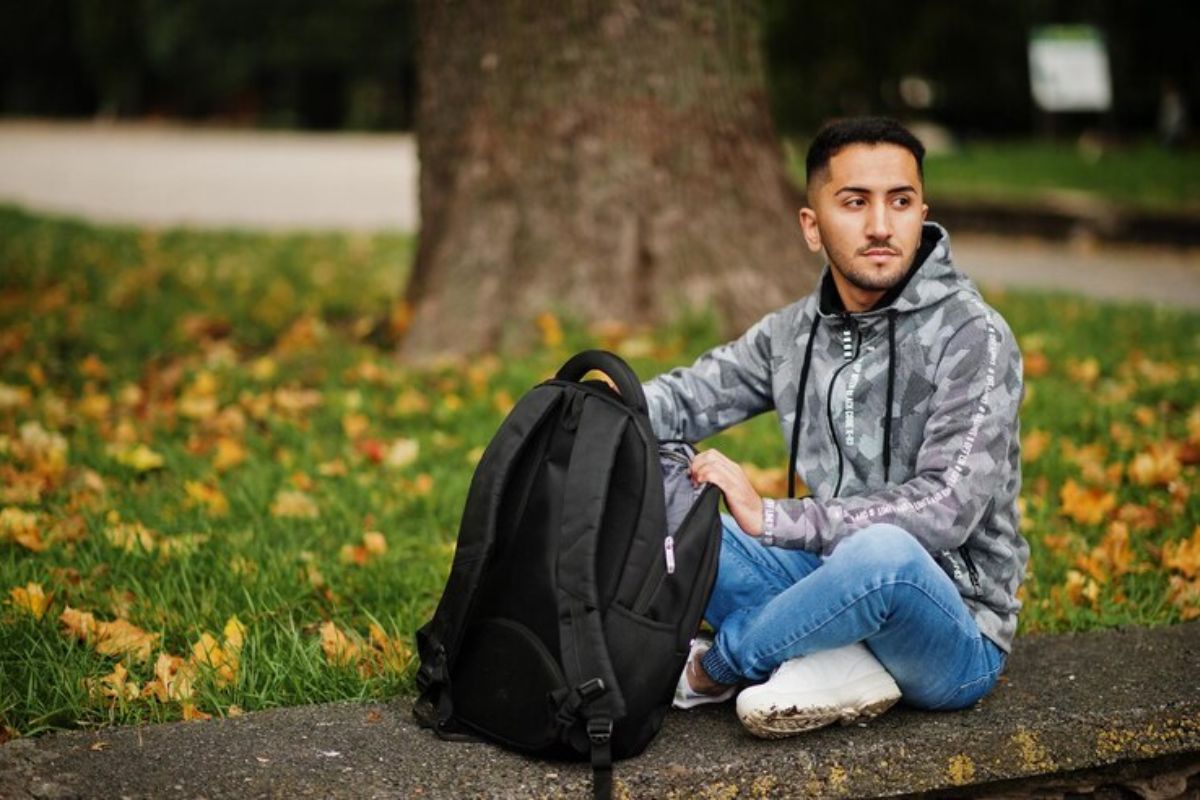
(778, 723)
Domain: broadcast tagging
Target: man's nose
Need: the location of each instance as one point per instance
(879, 222)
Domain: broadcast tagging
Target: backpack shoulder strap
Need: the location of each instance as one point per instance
(438, 640)
(594, 694)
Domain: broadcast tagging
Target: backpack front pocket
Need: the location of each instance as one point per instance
(502, 681)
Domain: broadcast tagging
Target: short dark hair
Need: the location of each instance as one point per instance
(842, 133)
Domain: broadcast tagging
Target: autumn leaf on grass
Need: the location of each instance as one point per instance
(292, 401)
(401, 453)
(550, 329)
(1183, 556)
(139, 458)
(409, 403)
(129, 536)
(1156, 466)
(228, 453)
(207, 497)
(117, 638)
(373, 544)
(340, 650)
(1036, 364)
(1080, 587)
(421, 486)
(1112, 557)
(14, 397)
(174, 679)
(294, 504)
(1090, 459)
(1085, 372)
(44, 452)
(379, 654)
(1184, 594)
(392, 655)
(1033, 445)
(115, 685)
(1085, 505)
(30, 598)
(21, 527)
(355, 425)
(199, 400)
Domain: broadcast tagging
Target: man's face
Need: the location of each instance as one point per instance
(866, 212)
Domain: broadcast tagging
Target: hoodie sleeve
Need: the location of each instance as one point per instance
(964, 453)
(724, 386)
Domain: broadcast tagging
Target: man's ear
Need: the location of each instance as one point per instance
(812, 234)
(924, 211)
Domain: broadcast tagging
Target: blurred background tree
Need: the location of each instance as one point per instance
(617, 160)
(352, 64)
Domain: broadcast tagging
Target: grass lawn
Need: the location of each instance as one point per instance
(1138, 177)
(219, 492)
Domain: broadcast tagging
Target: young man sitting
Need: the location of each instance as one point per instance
(898, 389)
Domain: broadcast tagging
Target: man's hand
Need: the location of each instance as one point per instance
(743, 502)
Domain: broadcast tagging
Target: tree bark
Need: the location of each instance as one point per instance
(609, 160)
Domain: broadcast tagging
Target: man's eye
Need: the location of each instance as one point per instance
(902, 202)
(855, 202)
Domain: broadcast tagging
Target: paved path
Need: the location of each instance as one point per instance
(1066, 703)
(162, 175)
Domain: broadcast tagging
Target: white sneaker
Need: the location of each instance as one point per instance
(805, 693)
(685, 696)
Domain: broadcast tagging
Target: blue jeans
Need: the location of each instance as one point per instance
(879, 587)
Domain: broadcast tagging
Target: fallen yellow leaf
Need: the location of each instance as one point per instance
(139, 458)
(550, 329)
(116, 638)
(1033, 445)
(130, 536)
(402, 453)
(355, 425)
(229, 452)
(294, 504)
(1183, 556)
(1156, 466)
(21, 527)
(207, 497)
(191, 713)
(1087, 506)
(339, 649)
(30, 598)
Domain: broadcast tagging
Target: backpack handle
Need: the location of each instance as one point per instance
(614, 367)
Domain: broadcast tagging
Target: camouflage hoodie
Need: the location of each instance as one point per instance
(909, 416)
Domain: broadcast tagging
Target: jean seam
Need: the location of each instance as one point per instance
(989, 677)
(789, 642)
(777, 572)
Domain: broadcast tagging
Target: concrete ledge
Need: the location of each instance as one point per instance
(1067, 704)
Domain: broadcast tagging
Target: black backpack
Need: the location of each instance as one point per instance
(569, 609)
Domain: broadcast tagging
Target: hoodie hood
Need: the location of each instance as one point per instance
(933, 262)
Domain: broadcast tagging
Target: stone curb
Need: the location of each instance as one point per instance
(1066, 703)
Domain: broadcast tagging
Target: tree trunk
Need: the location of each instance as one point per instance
(609, 160)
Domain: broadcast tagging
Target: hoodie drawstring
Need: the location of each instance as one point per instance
(812, 336)
(891, 383)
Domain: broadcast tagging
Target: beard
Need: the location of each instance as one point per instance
(871, 278)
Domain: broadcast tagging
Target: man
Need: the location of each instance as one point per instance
(898, 389)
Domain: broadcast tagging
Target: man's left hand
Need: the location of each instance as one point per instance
(744, 503)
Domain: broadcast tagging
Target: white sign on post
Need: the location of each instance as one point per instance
(1068, 69)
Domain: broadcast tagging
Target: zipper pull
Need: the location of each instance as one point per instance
(669, 550)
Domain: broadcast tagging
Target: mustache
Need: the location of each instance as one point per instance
(884, 245)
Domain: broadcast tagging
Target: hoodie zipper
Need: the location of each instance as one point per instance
(971, 570)
(851, 339)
